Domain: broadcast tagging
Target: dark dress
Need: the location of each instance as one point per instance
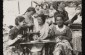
(15, 47)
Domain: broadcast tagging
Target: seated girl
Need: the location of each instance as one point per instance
(62, 35)
(42, 29)
(15, 35)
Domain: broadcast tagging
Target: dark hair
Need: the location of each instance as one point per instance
(11, 26)
(38, 5)
(58, 15)
(19, 19)
(31, 9)
(43, 17)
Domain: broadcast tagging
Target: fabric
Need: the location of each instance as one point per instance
(62, 45)
(76, 41)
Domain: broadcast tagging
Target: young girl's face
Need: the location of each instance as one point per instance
(59, 21)
(22, 23)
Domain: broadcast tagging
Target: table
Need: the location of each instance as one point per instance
(31, 43)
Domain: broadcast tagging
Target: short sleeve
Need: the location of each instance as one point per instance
(12, 33)
(69, 33)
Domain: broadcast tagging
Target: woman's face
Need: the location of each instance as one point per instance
(40, 21)
(59, 21)
(62, 4)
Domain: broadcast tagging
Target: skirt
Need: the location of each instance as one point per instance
(63, 47)
(76, 41)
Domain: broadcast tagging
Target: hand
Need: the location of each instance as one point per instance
(35, 37)
(60, 37)
(19, 36)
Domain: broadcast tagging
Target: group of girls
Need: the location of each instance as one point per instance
(45, 22)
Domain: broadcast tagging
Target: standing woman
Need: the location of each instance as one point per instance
(62, 35)
(28, 18)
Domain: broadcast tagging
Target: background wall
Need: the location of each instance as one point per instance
(10, 10)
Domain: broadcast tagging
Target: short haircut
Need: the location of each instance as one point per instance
(58, 15)
(19, 19)
(31, 9)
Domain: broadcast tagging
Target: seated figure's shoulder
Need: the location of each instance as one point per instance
(14, 29)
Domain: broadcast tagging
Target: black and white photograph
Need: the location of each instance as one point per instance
(42, 27)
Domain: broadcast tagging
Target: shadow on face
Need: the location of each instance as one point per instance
(40, 21)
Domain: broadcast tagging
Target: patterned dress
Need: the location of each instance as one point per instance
(62, 45)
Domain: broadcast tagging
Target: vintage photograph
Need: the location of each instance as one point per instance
(42, 27)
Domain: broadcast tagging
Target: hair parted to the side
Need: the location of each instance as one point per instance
(19, 19)
(30, 9)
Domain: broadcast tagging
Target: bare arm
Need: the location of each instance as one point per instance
(68, 34)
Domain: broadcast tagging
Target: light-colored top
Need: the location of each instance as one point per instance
(43, 30)
(65, 32)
